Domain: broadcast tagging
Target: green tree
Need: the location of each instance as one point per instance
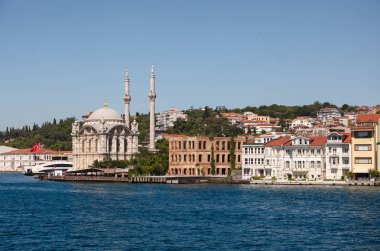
(374, 173)
(212, 160)
(232, 155)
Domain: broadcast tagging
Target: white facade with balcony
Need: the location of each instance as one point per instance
(338, 156)
(300, 158)
(253, 160)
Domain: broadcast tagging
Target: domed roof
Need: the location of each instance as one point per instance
(104, 113)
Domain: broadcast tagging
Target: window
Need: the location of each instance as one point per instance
(365, 134)
(345, 149)
(363, 160)
(312, 164)
(246, 161)
(200, 145)
(200, 158)
(318, 164)
(287, 164)
(363, 147)
(346, 161)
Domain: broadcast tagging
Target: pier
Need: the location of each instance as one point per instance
(144, 179)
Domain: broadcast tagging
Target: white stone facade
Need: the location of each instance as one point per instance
(286, 158)
(166, 119)
(338, 156)
(103, 135)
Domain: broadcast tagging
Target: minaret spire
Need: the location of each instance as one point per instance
(127, 99)
(152, 115)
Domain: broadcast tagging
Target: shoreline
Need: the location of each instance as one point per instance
(201, 180)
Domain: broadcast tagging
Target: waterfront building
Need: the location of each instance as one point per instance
(338, 155)
(253, 161)
(365, 142)
(16, 159)
(191, 156)
(253, 156)
(166, 119)
(288, 157)
(105, 134)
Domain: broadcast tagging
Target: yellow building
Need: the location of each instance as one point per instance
(365, 142)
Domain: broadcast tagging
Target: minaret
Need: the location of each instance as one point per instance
(127, 99)
(152, 120)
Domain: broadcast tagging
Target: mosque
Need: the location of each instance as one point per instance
(105, 134)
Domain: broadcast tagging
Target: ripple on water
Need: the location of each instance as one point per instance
(41, 215)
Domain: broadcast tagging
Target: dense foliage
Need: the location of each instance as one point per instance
(290, 112)
(52, 135)
(205, 122)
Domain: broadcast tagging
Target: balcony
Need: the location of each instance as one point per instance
(346, 166)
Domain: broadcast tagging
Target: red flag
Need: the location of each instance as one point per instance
(35, 147)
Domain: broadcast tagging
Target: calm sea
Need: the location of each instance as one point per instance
(43, 215)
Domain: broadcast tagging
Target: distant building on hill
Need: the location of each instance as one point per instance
(328, 113)
(166, 119)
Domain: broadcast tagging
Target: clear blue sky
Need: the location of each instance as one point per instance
(63, 58)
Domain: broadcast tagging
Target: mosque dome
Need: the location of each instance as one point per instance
(105, 113)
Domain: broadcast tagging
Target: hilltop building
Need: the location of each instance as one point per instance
(328, 113)
(166, 119)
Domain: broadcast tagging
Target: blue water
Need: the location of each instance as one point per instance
(43, 215)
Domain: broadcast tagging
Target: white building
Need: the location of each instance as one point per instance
(302, 121)
(328, 113)
(253, 156)
(253, 160)
(105, 134)
(288, 158)
(338, 155)
(13, 160)
(166, 119)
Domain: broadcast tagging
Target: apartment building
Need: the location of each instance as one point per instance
(365, 142)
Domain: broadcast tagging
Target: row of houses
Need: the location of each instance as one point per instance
(282, 156)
